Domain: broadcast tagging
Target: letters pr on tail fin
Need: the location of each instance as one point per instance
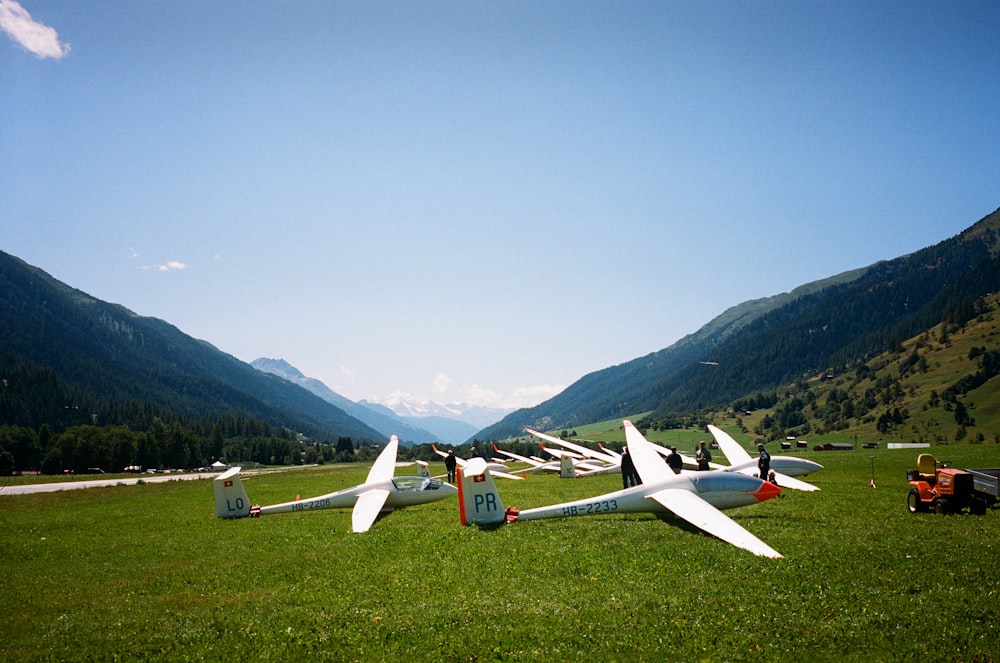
(478, 498)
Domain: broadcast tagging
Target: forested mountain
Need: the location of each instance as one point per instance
(67, 358)
(938, 387)
(759, 345)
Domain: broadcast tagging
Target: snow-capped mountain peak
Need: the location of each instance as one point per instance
(407, 405)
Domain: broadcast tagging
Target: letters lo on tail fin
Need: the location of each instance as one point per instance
(478, 498)
(231, 499)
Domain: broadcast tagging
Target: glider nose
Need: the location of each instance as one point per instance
(767, 491)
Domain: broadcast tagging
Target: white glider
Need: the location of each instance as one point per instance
(695, 497)
(785, 467)
(498, 469)
(588, 462)
(563, 464)
(381, 492)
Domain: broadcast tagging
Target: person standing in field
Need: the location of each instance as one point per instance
(629, 475)
(449, 464)
(704, 457)
(763, 462)
(675, 461)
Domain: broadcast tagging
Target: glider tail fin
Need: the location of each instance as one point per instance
(566, 469)
(478, 498)
(231, 499)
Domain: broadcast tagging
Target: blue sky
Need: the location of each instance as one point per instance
(483, 202)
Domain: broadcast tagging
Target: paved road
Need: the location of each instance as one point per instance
(98, 483)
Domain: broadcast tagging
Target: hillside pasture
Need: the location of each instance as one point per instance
(148, 572)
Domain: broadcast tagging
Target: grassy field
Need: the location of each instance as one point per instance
(148, 572)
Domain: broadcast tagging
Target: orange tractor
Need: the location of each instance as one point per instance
(934, 486)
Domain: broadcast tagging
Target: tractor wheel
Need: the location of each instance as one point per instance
(941, 505)
(978, 506)
(913, 502)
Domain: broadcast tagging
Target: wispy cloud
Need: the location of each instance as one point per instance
(441, 384)
(526, 396)
(35, 37)
(169, 266)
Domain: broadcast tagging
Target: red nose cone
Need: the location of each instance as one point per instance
(767, 491)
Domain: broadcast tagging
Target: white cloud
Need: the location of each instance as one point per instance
(441, 384)
(484, 397)
(35, 37)
(526, 396)
(535, 394)
(169, 266)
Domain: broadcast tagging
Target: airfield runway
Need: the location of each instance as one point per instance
(100, 483)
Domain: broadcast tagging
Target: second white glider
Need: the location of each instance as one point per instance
(696, 497)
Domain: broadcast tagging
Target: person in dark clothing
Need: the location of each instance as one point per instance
(629, 475)
(449, 464)
(763, 462)
(704, 457)
(675, 461)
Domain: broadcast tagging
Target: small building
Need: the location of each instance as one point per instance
(834, 446)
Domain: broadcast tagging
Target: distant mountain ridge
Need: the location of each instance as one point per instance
(69, 358)
(413, 421)
(479, 416)
(763, 343)
(386, 424)
(74, 353)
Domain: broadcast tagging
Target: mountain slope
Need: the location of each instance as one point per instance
(629, 388)
(938, 387)
(99, 354)
(764, 343)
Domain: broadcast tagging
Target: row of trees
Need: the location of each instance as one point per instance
(164, 445)
(170, 445)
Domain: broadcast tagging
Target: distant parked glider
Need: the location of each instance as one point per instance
(696, 497)
(498, 469)
(785, 467)
(564, 465)
(587, 462)
(381, 492)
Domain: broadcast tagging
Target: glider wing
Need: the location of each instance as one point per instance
(731, 449)
(572, 446)
(367, 508)
(690, 507)
(385, 464)
(786, 481)
(648, 463)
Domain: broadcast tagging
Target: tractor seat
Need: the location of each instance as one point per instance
(926, 466)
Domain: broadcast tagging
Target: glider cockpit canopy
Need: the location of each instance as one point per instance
(408, 484)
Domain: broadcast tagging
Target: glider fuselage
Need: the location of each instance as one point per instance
(403, 491)
(723, 490)
(788, 465)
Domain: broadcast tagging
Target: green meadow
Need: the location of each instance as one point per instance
(148, 572)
